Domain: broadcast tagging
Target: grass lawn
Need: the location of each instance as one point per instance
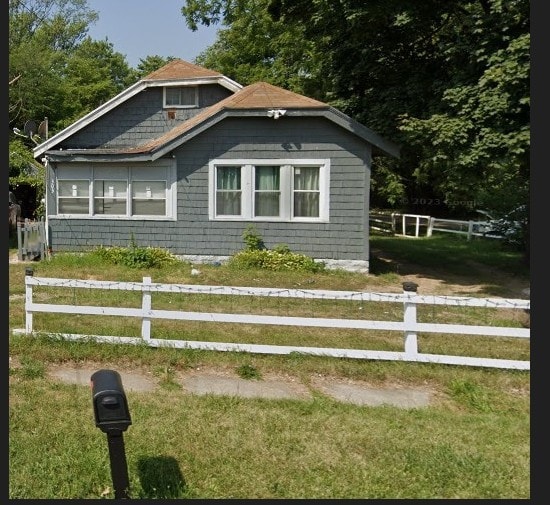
(473, 443)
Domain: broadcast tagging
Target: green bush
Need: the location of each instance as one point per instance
(252, 239)
(274, 260)
(136, 257)
(281, 258)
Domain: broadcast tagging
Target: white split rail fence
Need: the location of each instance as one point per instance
(409, 326)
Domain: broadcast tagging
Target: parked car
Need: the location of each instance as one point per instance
(510, 226)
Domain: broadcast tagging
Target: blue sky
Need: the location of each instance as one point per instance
(140, 28)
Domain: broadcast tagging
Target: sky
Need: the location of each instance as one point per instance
(141, 28)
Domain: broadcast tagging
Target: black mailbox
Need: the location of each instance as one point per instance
(110, 404)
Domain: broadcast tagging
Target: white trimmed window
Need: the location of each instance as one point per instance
(121, 191)
(269, 190)
(183, 96)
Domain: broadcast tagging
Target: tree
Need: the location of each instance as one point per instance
(255, 47)
(41, 35)
(93, 73)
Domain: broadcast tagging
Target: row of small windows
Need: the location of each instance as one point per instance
(110, 197)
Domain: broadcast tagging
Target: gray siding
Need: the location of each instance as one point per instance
(344, 237)
(139, 119)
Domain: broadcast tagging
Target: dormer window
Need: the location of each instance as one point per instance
(184, 96)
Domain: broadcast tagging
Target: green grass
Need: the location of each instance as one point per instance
(473, 442)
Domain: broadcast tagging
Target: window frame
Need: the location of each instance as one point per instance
(128, 173)
(194, 105)
(286, 177)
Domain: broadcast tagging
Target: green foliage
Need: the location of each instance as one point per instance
(274, 260)
(252, 238)
(248, 372)
(281, 258)
(448, 81)
(136, 257)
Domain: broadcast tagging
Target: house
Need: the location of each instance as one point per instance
(186, 158)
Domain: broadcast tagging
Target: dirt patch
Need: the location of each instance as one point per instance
(483, 280)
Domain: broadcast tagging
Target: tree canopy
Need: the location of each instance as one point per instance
(448, 81)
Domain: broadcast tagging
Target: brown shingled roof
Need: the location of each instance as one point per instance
(259, 95)
(178, 69)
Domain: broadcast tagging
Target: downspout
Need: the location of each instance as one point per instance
(46, 162)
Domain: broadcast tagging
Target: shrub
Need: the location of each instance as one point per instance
(136, 257)
(274, 260)
(281, 258)
(253, 239)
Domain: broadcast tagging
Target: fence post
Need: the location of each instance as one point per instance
(409, 318)
(430, 226)
(470, 229)
(28, 301)
(146, 307)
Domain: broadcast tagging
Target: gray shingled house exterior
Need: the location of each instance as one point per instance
(186, 158)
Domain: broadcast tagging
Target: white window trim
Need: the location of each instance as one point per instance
(172, 106)
(87, 173)
(247, 187)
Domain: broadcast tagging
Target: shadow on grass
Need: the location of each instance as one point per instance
(160, 477)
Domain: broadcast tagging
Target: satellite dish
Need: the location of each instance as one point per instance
(30, 128)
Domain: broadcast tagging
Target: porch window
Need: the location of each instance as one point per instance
(124, 191)
(110, 197)
(73, 196)
(148, 198)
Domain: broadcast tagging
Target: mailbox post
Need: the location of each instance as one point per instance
(113, 418)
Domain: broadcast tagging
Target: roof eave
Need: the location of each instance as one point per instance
(194, 81)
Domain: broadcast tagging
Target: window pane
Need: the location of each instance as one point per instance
(73, 196)
(306, 178)
(267, 191)
(228, 178)
(181, 96)
(172, 96)
(149, 198)
(73, 206)
(109, 206)
(228, 203)
(306, 192)
(149, 207)
(110, 189)
(228, 191)
(266, 204)
(149, 189)
(76, 188)
(306, 204)
(110, 197)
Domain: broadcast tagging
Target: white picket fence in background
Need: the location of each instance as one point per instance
(416, 225)
(409, 326)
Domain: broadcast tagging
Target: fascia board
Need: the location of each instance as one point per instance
(194, 81)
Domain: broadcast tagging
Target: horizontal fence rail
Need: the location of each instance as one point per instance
(416, 225)
(409, 326)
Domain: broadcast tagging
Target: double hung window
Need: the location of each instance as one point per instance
(273, 190)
